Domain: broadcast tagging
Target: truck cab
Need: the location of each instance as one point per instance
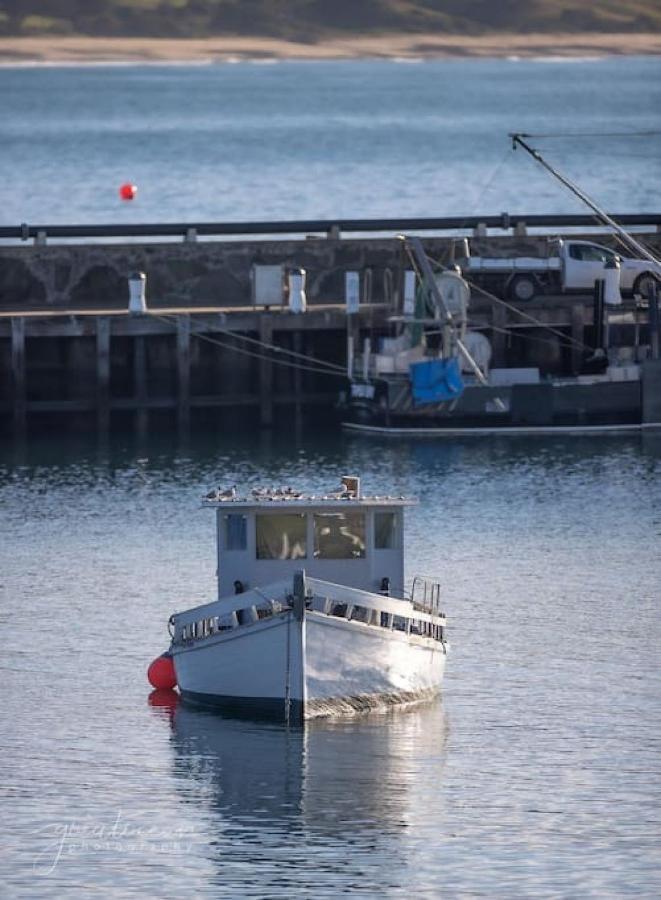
(584, 264)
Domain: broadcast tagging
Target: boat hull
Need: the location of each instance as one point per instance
(315, 666)
(579, 405)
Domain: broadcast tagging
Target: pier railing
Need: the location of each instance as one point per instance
(329, 227)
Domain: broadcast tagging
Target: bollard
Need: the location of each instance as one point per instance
(460, 250)
(137, 301)
(352, 292)
(296, 284)
(408, 307)
(612, 295)
(367, 353)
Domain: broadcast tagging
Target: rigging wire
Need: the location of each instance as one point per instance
(487, 184)
(329, 368)
(520, 312)
(588, 134)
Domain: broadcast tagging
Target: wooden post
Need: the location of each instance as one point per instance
(18, 373)
(265, 373)
(498, 334)
(297, 346)
(103, 373)
(140, 384)
(598, 314)
(653, 318)
(578, 337)
(183, 372)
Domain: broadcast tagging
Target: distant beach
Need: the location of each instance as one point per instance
(409, 47)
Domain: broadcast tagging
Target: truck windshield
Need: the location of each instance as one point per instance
(590, 253)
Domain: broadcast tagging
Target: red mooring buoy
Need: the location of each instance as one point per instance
(128, 191)
(161, 673)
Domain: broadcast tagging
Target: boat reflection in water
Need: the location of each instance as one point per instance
(344, 789)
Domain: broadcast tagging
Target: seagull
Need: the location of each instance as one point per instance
(229, 494)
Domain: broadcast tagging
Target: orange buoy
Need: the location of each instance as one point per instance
(128, 191)
(161, 673)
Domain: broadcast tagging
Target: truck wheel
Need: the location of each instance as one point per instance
(644, 284)
(522, 288)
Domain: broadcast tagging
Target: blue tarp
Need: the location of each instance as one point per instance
(435, 380)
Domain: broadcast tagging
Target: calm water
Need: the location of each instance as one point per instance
(538, 773)
(295, 140)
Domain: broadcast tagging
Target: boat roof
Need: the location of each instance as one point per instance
(286, 498)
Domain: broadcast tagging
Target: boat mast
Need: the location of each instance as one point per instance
(625, 237)
(418, 257)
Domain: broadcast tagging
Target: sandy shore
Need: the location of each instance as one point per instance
(229, 49)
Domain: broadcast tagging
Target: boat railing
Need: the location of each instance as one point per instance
(426, 595)
(350, 604)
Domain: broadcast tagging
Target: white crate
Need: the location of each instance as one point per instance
(267, 285)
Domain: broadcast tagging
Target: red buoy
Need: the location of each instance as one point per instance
(128, 191)
(161, 673)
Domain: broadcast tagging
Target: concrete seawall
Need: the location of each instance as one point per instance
(215, 273)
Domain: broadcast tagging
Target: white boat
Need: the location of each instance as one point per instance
(311, 617)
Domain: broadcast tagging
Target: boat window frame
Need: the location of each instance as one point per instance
(281, 514)
(395, 532)
(226, 534)
(361, 534)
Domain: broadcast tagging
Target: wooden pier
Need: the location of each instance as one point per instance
(95, 369)
(72, 357)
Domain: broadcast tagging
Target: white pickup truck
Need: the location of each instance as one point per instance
(573, 266)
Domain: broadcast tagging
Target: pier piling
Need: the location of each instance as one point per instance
(266, 374)
(183, 373)
(103, 373)
(18, 373)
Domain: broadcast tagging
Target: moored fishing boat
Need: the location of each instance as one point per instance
(311, 617)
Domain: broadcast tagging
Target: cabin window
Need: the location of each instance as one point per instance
(236, 532)
(281, 537)
(339, 535)
(385, 531)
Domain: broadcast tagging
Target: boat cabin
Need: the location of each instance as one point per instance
(341, 537)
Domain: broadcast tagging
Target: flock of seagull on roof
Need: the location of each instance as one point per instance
(284, 493)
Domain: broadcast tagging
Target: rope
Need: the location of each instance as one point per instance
(329, 368)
